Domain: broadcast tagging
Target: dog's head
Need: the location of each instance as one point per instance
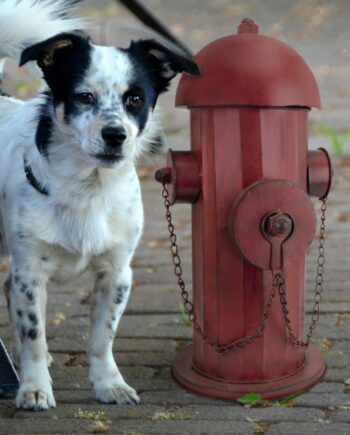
(103, 97)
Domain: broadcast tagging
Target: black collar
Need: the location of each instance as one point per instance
(32, 180)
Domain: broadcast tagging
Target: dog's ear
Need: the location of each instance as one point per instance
(62, 59)
(45, 53)
(164, 62)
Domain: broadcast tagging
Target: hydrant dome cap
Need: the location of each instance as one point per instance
(249, 69)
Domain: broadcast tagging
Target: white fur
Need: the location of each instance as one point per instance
(92, 218)
(26, 22)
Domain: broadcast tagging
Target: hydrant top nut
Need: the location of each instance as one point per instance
(279, 224)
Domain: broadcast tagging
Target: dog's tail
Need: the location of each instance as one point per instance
(26, 22)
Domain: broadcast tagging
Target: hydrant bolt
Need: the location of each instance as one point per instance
(279, 224)
(163, 175)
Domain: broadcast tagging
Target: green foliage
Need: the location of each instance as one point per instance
(249, 399)
(338, 140)
(254, 400)
(288, 401)
(183, 316)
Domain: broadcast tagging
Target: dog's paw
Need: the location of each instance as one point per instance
(35, 398)
(118, 393)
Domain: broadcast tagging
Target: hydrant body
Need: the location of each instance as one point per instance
(249, 163)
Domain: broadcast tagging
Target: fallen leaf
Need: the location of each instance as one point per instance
(99, 427)
(58, 318)
(161, 415)
(85, 299)
(252, 420)
(321, 420)
(342, 91)
(347, 384)
(91, 415)
(342, 216)
(326, 345)
(156, 243)
(260, 429)
(342, 319)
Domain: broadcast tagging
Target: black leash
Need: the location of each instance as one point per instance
(9, 380)
(151, 21)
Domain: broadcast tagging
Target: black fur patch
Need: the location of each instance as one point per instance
(43, 134)
(121, 290)
(160, 63)
(3, 94)
(30, 296)
(155, 66)
(63, 59)
(143, 88)
(32, 317)
(32, 334)
(63, 68)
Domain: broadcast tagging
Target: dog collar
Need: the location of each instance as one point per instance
(32, 180)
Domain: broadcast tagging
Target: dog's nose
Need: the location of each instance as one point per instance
(113, 136)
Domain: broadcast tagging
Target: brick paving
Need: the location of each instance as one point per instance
(152, 331)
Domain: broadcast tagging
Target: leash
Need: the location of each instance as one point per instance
(154, 23)
(9, 380)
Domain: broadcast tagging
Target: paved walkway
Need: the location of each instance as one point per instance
(153, 329)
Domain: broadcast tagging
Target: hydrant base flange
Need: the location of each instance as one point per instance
(307, 376)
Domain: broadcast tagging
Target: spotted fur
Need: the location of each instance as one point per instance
(70, 196)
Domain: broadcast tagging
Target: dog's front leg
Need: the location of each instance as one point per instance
(110, 296)
(35, 392)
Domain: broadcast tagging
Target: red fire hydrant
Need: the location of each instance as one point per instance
(248, 177)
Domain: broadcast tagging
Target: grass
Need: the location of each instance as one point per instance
(183, 316)
(338, 141)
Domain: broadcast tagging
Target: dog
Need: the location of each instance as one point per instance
(70, 195)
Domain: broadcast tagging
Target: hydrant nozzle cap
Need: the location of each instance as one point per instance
(248, 25)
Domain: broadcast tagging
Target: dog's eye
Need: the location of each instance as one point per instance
(85, 98)
(133, 101)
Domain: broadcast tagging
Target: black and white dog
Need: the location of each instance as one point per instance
(70, 196)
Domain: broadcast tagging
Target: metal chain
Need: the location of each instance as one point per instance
(281, 283)
(189, 309)
(278, 283)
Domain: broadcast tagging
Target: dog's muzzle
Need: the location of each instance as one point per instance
(114, 137)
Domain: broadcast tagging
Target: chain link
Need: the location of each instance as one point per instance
(189, 309)
(278, 284)
(281, 284)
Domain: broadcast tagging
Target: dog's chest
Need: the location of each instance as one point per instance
(79, 244)
(101, 224)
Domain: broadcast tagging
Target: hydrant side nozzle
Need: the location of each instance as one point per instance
(319, 173)
(163, 175)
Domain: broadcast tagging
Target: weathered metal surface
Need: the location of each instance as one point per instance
(249, 69)
(249, 136)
